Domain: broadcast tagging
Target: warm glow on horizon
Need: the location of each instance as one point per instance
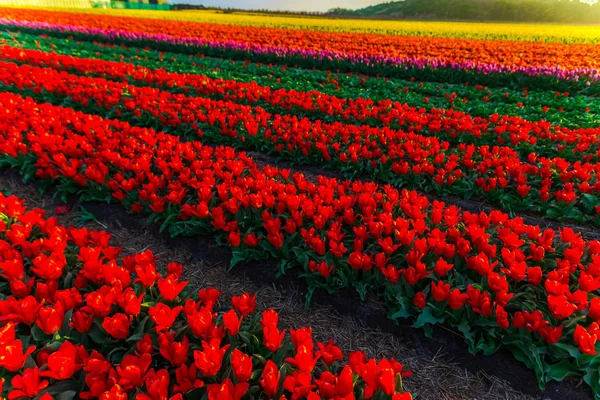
(294, 5)
(306, 5)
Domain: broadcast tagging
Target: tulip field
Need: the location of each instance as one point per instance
(163, 117)
(79, 285)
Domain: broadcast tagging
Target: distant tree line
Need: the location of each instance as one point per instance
(569, 11)
(231, 10)
(487, 10)
(180, 6)
(342, 11)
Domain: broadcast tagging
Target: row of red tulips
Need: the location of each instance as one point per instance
(77, 320)
(499, 281)
(454, 126)
(553, 186)
(558, 107)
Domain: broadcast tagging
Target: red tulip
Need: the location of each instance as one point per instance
(234, 239)
(117, 326)
(41, 358)
(269, 318)
(299, 384)
(132, 370)
(368, 372)
(251, 240)
(28, 384)
(502, 317)
(241, 364)
(232, 322)
(209, 296)
(157, 384)
(170, 287)
(386, 377)
(594, 310)
(12, 356)
(62, 364)
(100, 302)
(227, 391)
(534, 275)
(302, 337)
(147, 275)
(175, 268)
(163, 316)
(50, 319)
(272, 338)
(269, 379)
(560, 307)
(442, 267)
(440, 291)
(327, 384)
(549, 333)
(330, 352)
(174, 352)
(419, 300)
(8, 334)
(456, 299)
(304, 359)
(586, 338)
(201, 322)
(20, 288)
(187, 378)
(82, 320)
(115, 393)
(344, 382)
(13, 270)
(49, 268)
(209, 360)
(244, 304)
(130, 303)
(62, 210)
(145, 345)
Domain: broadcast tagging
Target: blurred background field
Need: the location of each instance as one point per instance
(472, 30)
(89, 5)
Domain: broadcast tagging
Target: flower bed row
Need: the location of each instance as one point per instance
(488, 55)
(560, 108)
(548, 77)
(446, 124)
(79, 321)
(499, 282)
(560, 189)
